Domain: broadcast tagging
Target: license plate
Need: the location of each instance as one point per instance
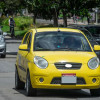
(68, 78)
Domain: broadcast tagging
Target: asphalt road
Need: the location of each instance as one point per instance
(7, 88)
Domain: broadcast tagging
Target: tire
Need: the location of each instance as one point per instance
(3, 55)
(29, 90)
(18, 84)
(95, 92)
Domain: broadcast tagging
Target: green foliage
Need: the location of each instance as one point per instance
(2, 6)
(20, 33)
(46, 9)
(22, 25)
(5, 21)
(21, 22)
(5, 28)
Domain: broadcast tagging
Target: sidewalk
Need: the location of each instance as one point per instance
(12, 45)
(60, 22)
(12, 40)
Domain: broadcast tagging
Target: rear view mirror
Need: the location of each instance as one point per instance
(96, 47)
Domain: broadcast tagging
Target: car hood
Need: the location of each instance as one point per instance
(78, 57)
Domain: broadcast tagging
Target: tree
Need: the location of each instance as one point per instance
(49, 9)
(10, 6)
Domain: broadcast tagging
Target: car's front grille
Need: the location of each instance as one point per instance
(74, 66)
(1, 50)
(57, 80)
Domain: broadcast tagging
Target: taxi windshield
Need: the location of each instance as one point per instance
(60, 41)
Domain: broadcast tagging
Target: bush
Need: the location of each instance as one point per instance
(21, 22)
(5, 21)
(6, 28)
(20, 33)
(24, 26)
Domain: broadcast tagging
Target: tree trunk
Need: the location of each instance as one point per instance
(34, 19)
(88, 19)
(82, 18)
(64, 19)
(26, 12)
(55, 18)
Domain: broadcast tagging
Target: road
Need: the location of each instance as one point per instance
(7, 88)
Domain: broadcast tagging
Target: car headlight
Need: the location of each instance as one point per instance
(93, 63)
(40, 62)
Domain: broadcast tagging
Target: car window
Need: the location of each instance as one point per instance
(60, 41)
(90, 29)
(97, 31)
(29, 40)
(25, 39)
(88, 35)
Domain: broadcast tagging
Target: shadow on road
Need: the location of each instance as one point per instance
(72, 94)
(11, 53)
(11, 57)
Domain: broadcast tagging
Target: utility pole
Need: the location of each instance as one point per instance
(96, 10)
(96, 14)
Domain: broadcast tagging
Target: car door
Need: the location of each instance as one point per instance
(21, 58)
(26, 55)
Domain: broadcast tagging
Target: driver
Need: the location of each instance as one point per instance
(69, 42)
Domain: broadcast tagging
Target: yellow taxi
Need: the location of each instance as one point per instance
(52, 58)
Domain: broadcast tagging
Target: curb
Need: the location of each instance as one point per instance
(13, 42)
(11, 53)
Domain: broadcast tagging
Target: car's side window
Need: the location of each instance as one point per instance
(29, 40)
(91, 29)
(25, 39)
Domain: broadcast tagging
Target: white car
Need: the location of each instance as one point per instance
(2, 44)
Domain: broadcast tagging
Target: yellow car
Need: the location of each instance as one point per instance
(52, 58)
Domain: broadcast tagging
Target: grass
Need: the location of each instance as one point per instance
(5, 28)
(17, 31)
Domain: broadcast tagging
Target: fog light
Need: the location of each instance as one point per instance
(41, 79)
(94, 80)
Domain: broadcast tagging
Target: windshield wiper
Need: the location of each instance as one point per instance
(43, 50)
(63, 49)
(68, 49)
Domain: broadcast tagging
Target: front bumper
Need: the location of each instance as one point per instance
(51, 73)
(2, 48)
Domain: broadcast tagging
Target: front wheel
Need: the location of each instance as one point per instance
(95, 92)
(18, 84)
(29, 90)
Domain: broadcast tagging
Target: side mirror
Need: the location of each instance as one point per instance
(23, 47)
(96, 47)
(4, 33)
